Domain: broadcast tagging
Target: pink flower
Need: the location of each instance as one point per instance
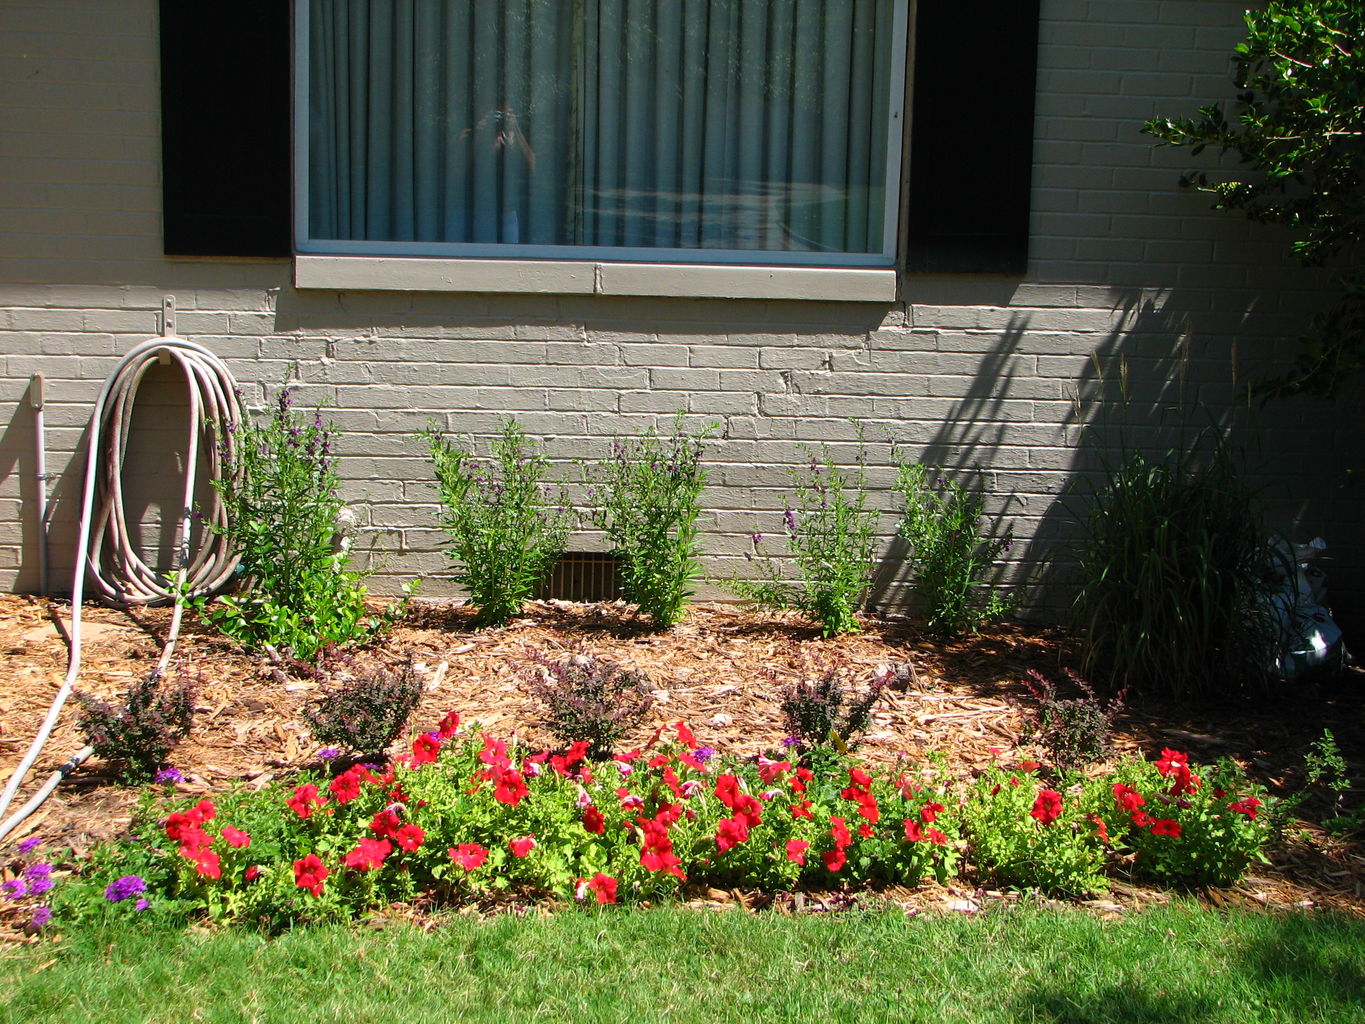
(236, 838)
(521, 847)
(468, 855)
(368, 855)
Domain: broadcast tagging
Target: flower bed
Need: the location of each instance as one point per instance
(465, 815)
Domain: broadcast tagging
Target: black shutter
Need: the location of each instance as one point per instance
(225, 127)
(971, 145)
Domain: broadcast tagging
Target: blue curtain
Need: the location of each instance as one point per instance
(754, 125)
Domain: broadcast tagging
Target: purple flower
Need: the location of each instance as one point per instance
(791, 741)
(789, 520)
(27, 845)
(39, 878)
(124, 888)
(168, 775)
(704, 754)
(757, 538)
(14, 888)
(327, 753)
(41, 916)
(141, 904)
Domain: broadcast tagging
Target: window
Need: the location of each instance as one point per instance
(664, 131)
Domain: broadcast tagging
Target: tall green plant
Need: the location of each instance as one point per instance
(1173, 582)
(646, 498)
(283, 510)
(506, 528)
(831, 534)
(941, 521)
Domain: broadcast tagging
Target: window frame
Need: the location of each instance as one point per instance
(317, 259)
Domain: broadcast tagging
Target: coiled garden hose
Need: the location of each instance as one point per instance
(104, 549)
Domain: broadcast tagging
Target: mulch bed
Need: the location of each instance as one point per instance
(721, 670)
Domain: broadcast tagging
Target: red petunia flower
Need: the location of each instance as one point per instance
(730, 832)
(929, 813)
(449, 726)
(1171, 760)
(425, 749)
(796, 851)
(1047, 808)
(510, 789)
(521, 847)
(727, 789)
(1127, 798)
(835, 859)
(866, 831)
(208, 864)
(602, 886)
(385, 823)
(593, 820)
(840, 832)
(913, 832)
(1247, 807)
(368, 855)
(309, 873)
(1029, 766)
(1166, 827)
(304, 800)
(236, 838)
(410, 837)
(345, 787)
(468, 855)
(936, 837)
(685, 736)
(251, 873)
(770, 770)
(203, 811)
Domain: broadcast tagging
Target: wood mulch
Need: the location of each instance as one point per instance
(721, 670)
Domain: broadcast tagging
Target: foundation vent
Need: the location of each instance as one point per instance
(583, 576)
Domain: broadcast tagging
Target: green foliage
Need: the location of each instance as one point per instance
(1074, 731)
(1299, 131)
(1173, 594)
(587, 699)
(645, 497)
(941, 521)
(1062, 855)
(1186, 825)
(138, 735)
(365, 713)
(1326, 769)
(831, 537)
(283, 518)
(505, 529)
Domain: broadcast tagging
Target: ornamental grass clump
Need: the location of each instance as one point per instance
(941, 521)
(646, 498)
(507, 527)
(587, 699)
(1174, 595)
(138, 735)
(365, 714)
(283, 518)
(831, 535)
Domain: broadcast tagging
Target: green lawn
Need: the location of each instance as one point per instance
(1178, 964)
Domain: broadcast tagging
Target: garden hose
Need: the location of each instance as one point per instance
(104, 549)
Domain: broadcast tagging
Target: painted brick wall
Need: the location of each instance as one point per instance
(1141, 311)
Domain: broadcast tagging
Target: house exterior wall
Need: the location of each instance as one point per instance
(1141, 310)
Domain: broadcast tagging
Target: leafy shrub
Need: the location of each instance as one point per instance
(1074, 731)
(1173, 592)
(1326, 769)
(283, 518)
(505, 530)
(1189, 825)
(647, 496)
(1022, 833)
(366, 713)
(138, 735)
(587, 699)
(819, 712)
(830, 534)
(941, 521)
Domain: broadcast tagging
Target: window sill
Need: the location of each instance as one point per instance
(548, 277)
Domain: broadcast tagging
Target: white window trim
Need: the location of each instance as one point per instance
(694, 273)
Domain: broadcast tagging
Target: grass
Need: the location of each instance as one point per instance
(1019, 964)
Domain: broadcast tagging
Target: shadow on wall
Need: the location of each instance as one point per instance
(1169, 370)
